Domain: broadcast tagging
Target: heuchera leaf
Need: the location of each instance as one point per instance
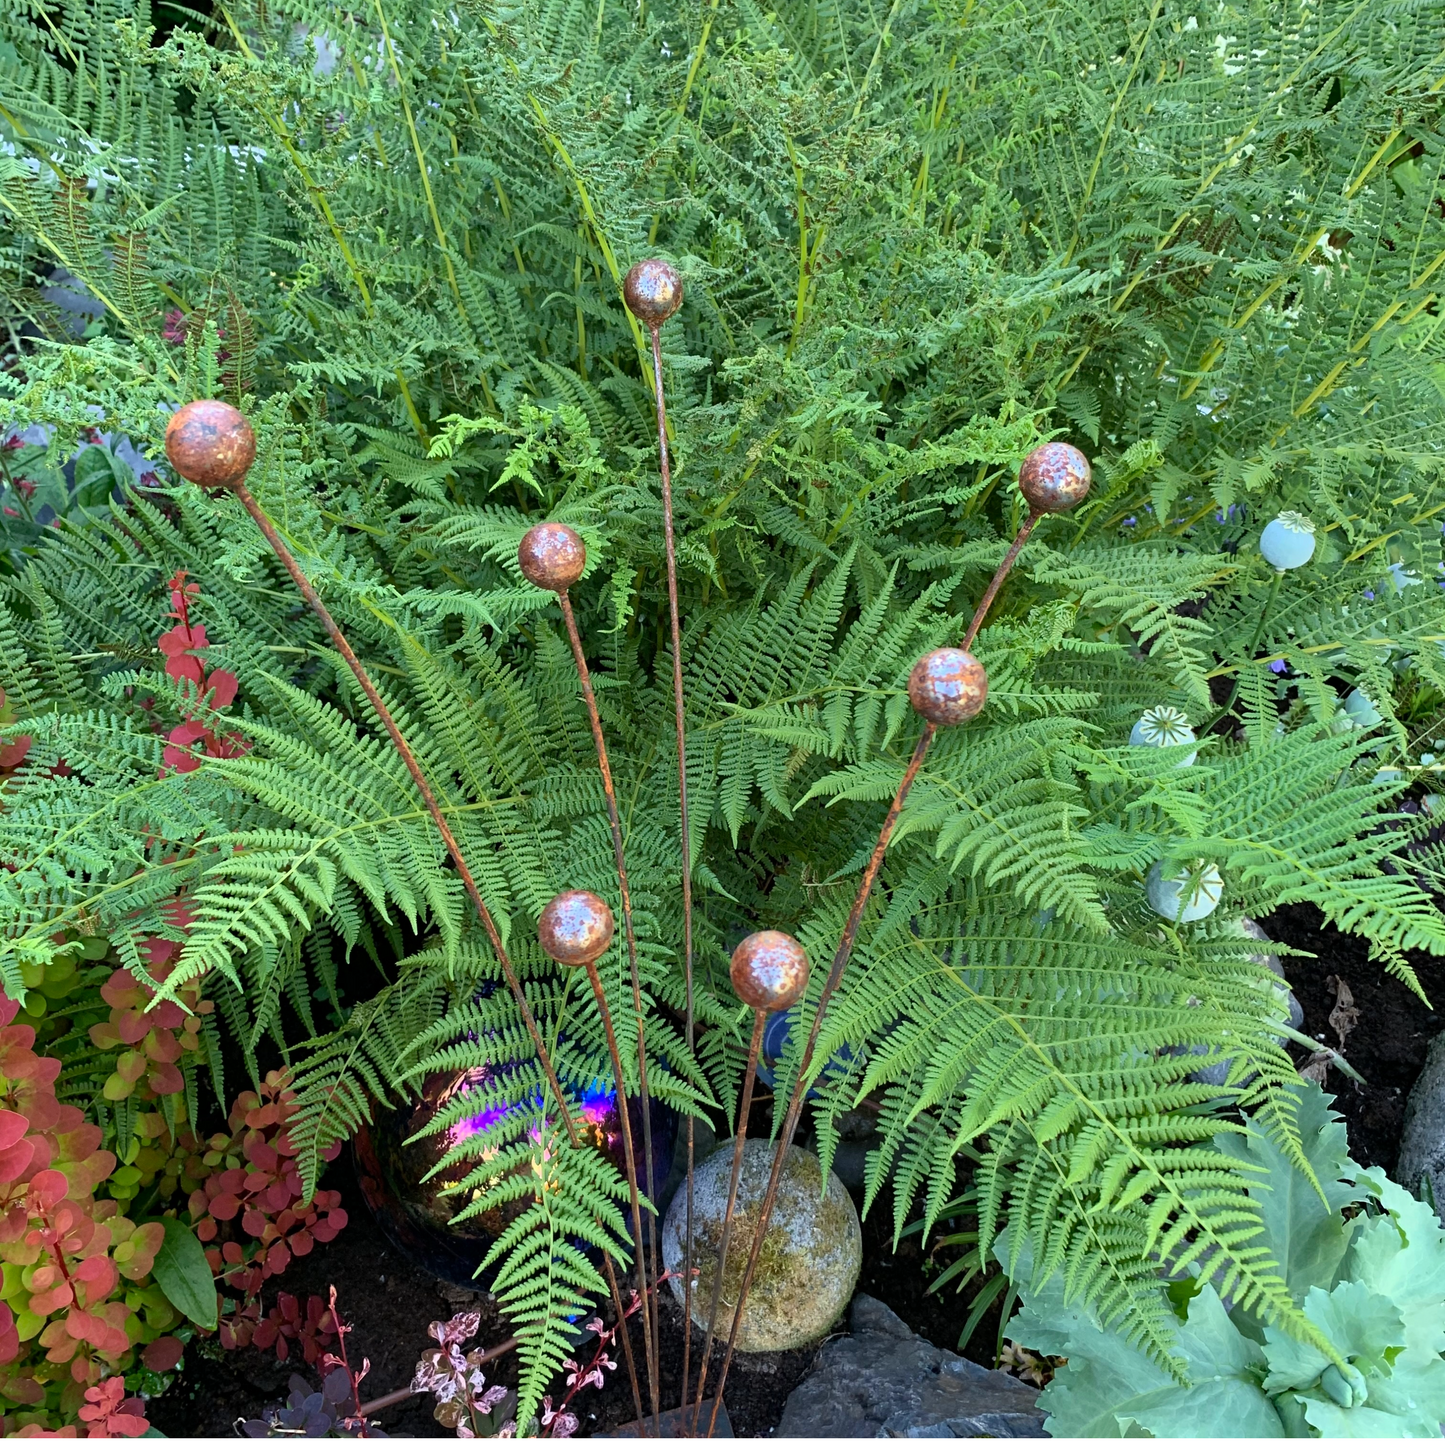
(1110, 1385)
(184, 1276)
(1306, 1233)
(1373, 1287)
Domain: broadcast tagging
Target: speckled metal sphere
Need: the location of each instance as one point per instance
(1055, 477)
(653, 291)
(947, 686)
(210, 443)
(576, 927)
(552, 556)
(412, 1204)
(769, 970)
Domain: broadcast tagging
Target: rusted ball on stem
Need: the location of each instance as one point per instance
(769, 970)
(552, 556)
(1055, 477)
(575, 928)
(947, 686)
(653, 291)
(210, 443)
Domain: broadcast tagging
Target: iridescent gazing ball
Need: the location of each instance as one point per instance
(552, 556)
(210, 443)
(653, 291)
(1055, 477)
(575, 928)
(412, 1204)
(947, 686)
(769, 970)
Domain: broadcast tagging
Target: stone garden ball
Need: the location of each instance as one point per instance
(811, 1254)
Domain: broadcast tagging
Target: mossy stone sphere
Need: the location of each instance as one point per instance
(811, 1255)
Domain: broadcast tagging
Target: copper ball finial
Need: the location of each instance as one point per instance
(769, 970)
(948, 686)
(576, 927)
(653, 291)
(210, 443)
(552, 556)
(1055, 477)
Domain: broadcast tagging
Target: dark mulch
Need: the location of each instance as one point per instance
(387, 1300)
(390, 1303)
(1390, 1040)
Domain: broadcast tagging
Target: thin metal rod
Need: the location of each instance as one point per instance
(680, 728)
(744, 1105)
(981, 611)
(584, 676)
(633, 1193)
(403, 749)
(840, 963)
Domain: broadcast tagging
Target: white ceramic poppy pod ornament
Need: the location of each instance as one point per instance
(1288, 541)
(1187, 896)
(1164, 727)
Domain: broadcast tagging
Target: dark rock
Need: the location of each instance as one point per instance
(1422, 1141)
(884, 1381)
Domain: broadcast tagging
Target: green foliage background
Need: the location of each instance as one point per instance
(1205, 244)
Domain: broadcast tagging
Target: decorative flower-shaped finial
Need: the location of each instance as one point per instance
(1163, 727)
(575, 928)
(1288, 541)
(210, 443)
(552, 556)
(769, 970)
(947, 686)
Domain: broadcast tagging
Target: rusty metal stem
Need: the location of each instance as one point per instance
(584, 676)
(744, 1105)
(680, 728)
(840, 962)
(981, 611)
(403, 749)
(633, 1197)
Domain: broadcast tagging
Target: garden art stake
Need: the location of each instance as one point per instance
(211, 443)
(652, 291)
(946, 687)
(769, 973)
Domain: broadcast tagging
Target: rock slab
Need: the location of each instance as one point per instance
(1422, 1140)
(883, 1381)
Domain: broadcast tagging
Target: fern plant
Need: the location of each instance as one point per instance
(1207, 247)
